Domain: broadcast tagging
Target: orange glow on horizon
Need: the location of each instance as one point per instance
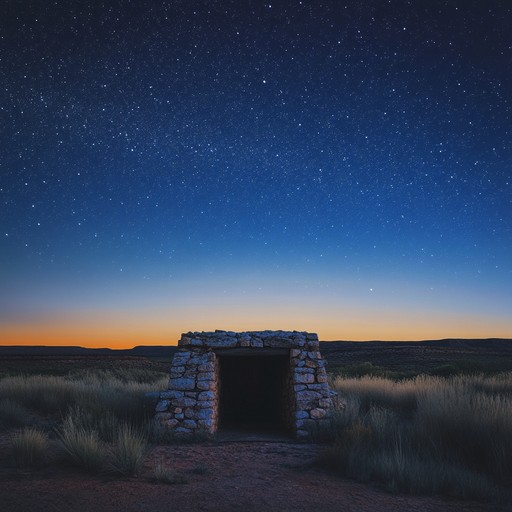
(122, 330)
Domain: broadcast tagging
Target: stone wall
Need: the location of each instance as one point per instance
(191, 404)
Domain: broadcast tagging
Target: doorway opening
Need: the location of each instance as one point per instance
(255, 391)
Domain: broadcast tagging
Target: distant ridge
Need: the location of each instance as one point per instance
(43, 350)
(168, 351)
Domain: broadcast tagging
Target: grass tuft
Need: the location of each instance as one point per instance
(30, 447)
(129, 450)
(162, 473)
(80, 447)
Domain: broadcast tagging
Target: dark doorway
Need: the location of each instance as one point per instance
(254, 392)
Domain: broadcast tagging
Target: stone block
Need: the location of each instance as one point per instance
(162, 406)
(172, 423)
(184, 402)
(204, 414)
(325, 403)
(171, 394)
(204, 385)
(307, 399)
(192, 424)
(300, 415)
(304, 378)
(206, 424)
(317, 413)
(182, 383)
(182, 430)
(304, 370)
(205, 376)
(206, 395)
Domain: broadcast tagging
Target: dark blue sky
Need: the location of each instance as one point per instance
(338, 167)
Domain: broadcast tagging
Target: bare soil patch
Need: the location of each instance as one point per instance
(248, 476)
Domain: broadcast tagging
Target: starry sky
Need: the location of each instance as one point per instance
(338, 167)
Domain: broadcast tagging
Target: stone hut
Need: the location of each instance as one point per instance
(262, 380)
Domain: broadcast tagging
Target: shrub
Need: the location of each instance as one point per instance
(128, 451)
(30, 447)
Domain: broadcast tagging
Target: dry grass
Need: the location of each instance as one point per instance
(81, 447)
(426, 435)
(162, 473)
(99, 417)
(129, 450)
(102, 398)
(30, 447)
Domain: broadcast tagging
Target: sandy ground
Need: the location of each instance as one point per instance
(242, 476)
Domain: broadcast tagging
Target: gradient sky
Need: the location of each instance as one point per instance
(338, 167)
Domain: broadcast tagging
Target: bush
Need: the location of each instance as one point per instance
(30, 447)
(128, 451)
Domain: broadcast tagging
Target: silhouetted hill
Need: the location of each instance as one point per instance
(40, 350)
(447, 355)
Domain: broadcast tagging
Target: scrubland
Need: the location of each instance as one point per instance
(448, 436)
(425, 435)
(96, 420)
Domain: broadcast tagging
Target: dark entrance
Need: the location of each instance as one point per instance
(254, 392)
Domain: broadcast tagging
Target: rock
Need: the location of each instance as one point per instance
(317, 413)
(171, 394)
(162, 406)
(304, 378)
(182, 384)
(184, 402)
(300, 415)
(322, 378)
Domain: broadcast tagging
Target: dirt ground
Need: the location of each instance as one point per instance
(228, 476)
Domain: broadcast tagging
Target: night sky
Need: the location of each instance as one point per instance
(338, 167)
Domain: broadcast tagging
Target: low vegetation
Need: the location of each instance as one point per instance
(98, 419)
(30, 447)
(435, 434)
(425, 435)
(128, 451)
(162, 473)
